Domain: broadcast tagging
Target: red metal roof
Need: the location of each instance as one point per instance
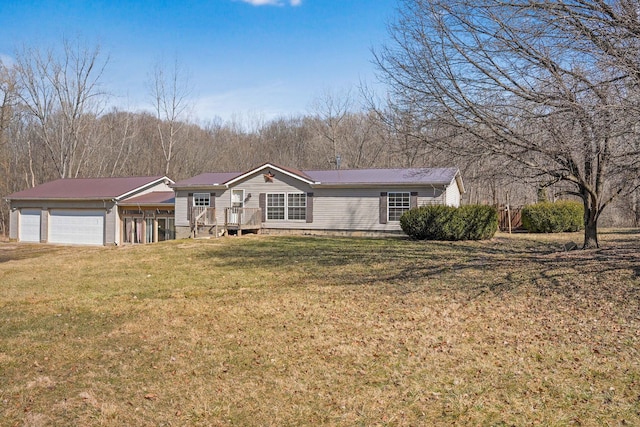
(85, 188)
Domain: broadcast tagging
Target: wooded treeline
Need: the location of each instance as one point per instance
(55, 122)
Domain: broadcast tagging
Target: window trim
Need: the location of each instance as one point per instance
(394, 195)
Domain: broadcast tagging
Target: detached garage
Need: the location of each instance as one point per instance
(83, 211)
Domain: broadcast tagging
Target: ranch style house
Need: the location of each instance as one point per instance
(269, 199)
(274, 199)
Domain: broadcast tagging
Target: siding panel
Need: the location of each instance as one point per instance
(13, 225)
(452, 195)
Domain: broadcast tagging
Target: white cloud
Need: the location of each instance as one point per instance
(272, 2)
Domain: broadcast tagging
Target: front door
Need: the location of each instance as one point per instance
(237, 203)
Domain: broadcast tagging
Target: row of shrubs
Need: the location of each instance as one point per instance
(480, 222)
(547, 217)
(470, 222)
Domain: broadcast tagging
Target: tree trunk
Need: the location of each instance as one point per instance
(590, 233)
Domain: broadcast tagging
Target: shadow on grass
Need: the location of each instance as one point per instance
(499, 266)
(21, 251)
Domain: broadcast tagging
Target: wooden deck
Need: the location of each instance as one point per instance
(236, 220)
(242, 219)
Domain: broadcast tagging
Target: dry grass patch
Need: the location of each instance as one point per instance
(309, 331)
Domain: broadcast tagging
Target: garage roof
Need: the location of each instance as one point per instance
(87, 188)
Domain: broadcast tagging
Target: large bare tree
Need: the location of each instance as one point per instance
(61, 92)
(170, 91)
(531, 82)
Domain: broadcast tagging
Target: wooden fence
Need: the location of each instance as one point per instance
(509, 218)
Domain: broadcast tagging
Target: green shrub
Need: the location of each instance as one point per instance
(548, 217)
(471, 222)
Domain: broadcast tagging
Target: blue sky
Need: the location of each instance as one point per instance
(245, 58)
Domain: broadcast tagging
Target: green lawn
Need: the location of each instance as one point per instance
(322, 331)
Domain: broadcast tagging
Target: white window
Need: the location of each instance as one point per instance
(275, 206)
(297, 206)
(201, 199)
(398, 203)
(288, 207)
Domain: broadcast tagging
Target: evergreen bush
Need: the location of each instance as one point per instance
(548, 217)
(470, 222)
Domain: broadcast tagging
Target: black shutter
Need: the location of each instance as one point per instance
(383, 208)
(309, 212)
(189, 205)
(212, 200)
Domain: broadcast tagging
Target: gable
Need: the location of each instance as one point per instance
(270, 181)
(275, 170)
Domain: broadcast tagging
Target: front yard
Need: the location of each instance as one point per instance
(310, 331)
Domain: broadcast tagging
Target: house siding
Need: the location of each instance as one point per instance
(181, 207)
(354, 209)
(44, 225)
(452, 195)
(161, 186)
(13, 224)
(111, 235)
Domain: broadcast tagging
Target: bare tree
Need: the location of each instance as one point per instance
(61, 93)
(170, 91)
(8, 98)
(330, 111)
(508, 79)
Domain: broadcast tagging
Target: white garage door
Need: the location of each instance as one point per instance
(76, 227)
(29, 225)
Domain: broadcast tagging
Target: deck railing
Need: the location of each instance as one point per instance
(203, 215)
(243, 217)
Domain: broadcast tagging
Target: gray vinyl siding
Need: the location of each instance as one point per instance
(348, 209)
(358, 209)
(13, 224)
(111, 234)
(181, 207)
(44, 225)
(161, 186)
